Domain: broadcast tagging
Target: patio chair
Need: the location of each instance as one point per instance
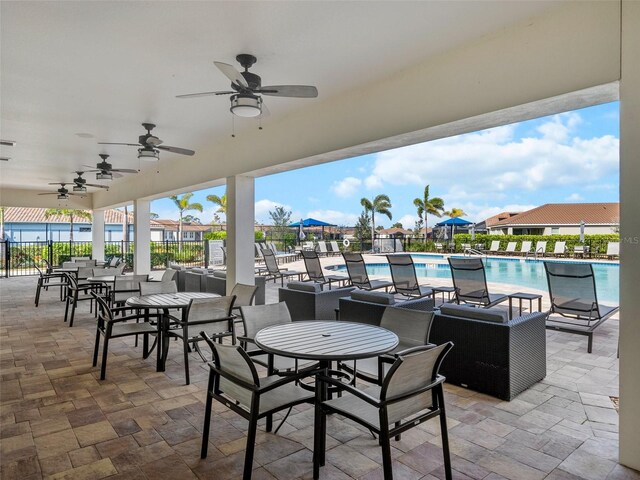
(234, 382)
(572, 289)
(77, 291)
(439, 247)
(511, 248)
(114, 261)
(321, 248)
(214, 315)
(169, 275)
(525, 248)
(357, 270)
(560, 249)
(125, 287)
(495, 247)
(411, 393)
(470, 282)
(245, 296)
(335, 249)
(613, 250)
(308, 246)
(405, 280)
(314, 270)
(412, 328)
(110, 327)
(153, 288)
(580, 251)
(46, 280)
(80, 259)
(541, 247)
(273, 270)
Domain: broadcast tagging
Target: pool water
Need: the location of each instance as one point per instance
(528, 273)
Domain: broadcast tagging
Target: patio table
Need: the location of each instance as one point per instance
(166, 302)
(325, 341)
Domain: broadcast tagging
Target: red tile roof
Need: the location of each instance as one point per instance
(37, 215)
(567, 214)
(491, 221)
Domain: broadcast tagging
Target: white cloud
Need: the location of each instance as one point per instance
(478, 213)
(373, 181)
(407, 221)
(346, 187)
(575, 197)
(334, 216)
(264, 206)
(485, 165)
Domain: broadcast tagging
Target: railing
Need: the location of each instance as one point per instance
(472, 252)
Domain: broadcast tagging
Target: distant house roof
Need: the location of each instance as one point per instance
(172, 225)
(491, 221)
(567, 214)
(37, 215)
(395, 231)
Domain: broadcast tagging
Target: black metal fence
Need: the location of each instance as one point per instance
(18, 258)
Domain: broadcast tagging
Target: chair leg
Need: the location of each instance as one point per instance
(66, 308)
(445, 433)
(105, 351)
(251, 444)
(185, 344)
(386, 454)
(207, 419)
(590, 343)
(38, 287)
(96, 348)
(73, 308)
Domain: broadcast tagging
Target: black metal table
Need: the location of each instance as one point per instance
(524, 296)
(166, 302)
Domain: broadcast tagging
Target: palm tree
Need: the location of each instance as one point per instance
(455, 213)
(220, 201)
(380, 204)
(184, 205)
(68, 212)
(433, 206)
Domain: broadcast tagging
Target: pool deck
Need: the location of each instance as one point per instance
(57, 420)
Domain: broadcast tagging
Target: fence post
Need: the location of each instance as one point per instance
(50, 252)
(7, 258)
(206, 253)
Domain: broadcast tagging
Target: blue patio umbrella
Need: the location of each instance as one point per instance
(311, 222)
(455, 221)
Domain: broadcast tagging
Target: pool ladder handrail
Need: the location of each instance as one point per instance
(535, 254)
(469, 252)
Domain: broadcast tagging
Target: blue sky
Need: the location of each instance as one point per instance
(569, 157)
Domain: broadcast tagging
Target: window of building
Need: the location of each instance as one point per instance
(555, 230)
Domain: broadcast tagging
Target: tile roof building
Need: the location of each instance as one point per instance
(561, 218)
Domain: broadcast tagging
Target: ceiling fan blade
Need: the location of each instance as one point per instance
(232, 74)
(298, 91)
(93, 169)
(49, 193)
(205, 94)
(118, 175)
(75, 194)
(181, 151)
(95, 185)
(117, 143)
(55, 183)
(123, 170)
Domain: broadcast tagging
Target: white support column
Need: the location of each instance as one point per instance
(97, 235)
(141, 237)
(240, 236)
(630, 237)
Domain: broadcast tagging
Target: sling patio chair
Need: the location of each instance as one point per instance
(274, 271)
(46, 280)
(405, 280)
(613, 250)
(572, 289)
(525, 248)
(411, 393)
(234, 382)
(314, 270)
(560, 249)
(335, 249)
(511, 248)
(470, 282)
(495, 247)
(322, 248)
(358, 276)
(541, 247)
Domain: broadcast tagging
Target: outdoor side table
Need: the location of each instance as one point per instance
(443, 290)
(524, 296)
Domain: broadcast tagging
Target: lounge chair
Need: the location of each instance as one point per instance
(560, 249)
(322, 248)
(511, 248)
(335, 249)
(470, 282)
(308, 246)
(405, 280)
(314, 271)
(580, 251)
(495, 247)
(572, 288)
(525, 248)
(358, 273)
(439, 247)
(613, 250)
(273, 271)
(541, 247)
(287, 257)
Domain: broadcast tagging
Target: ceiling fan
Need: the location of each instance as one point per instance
(150, 144)
(105, 170)
(80, 184)
(247, 88)
(62, 193)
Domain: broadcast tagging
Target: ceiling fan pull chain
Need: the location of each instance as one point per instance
(233, 127)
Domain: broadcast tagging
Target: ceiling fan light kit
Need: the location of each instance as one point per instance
(246, 105)
(104, 176)
(79, 188)
(148, 154)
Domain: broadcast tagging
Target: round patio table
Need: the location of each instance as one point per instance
(166, 302)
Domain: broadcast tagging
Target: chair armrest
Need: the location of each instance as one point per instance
(348, 388)
(131, 317)
(288, 379)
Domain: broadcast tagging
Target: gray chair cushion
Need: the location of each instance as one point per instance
(373, 297)
(201, 271)
(220, 273)
(305, 286)
(485, 314)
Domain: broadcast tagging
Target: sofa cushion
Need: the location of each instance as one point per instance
(175, 266)
(220, 273)
(485, 314)
(305, 286)
(200, 271)
(373, 297)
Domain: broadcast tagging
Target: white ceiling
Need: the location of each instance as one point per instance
(99, 69)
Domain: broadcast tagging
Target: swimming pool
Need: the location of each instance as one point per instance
(513, 271)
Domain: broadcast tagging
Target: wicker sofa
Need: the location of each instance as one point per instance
(308, 300)
(367, 307)
(491, 354)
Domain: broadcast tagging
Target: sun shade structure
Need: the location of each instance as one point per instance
(456, 221)
(312, 222)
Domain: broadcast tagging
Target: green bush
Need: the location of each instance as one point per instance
(598, 243)
(219, 235)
